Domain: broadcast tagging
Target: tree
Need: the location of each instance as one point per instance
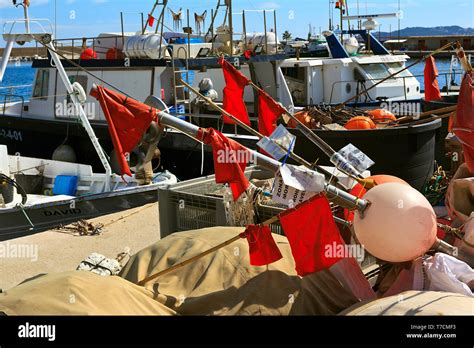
(286, 35)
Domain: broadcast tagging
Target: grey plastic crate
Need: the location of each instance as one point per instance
(189, 206)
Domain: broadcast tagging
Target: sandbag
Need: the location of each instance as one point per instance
(224, 283)
(416, 303)
(79, 293)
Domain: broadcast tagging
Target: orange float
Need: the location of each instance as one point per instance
(88, 54)
(304, 118)
(382, 115)
(360, 123)
(359, 191)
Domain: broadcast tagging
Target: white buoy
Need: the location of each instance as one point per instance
(398, 226)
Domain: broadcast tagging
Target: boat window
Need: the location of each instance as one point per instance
(397, 66)
(376, 71)
(41, 85)
(296, 79)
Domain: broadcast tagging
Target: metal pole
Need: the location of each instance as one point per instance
(265, 29)
(143, 23)
(399, 23)
(231, 27)
(244, 25)
(275, 27)
(212, 30)
(82, 114)
(123, 32)
(342, 24)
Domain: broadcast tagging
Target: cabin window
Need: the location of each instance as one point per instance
(376, 71)
(40, 91)
(396, 67)
(296, 79)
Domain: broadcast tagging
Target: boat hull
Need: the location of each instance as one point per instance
(14, 224)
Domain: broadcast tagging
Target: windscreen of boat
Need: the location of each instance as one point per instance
(376, 72)
(397, 66)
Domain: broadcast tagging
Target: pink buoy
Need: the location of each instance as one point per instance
(398, 226)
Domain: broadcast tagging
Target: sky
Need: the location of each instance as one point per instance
(88, 18)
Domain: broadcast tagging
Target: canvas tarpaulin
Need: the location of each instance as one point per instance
(224, 283)
(80, 293)
(431, 303)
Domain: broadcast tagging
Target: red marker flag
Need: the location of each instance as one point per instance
(463, 125)
(432, 91)
(269, 111)
(230, 160)
(313, 235)
(234, 93)
(263, 249)
(128, 120)
(151, 20)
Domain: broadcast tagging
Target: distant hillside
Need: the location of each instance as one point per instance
(422, 31)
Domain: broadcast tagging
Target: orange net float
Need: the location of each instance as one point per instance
(360, 123)
(88, 54)
(303, 117)
(359, 191)
(114, 53)
(382, 115)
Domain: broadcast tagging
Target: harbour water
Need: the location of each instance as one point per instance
(22, 74)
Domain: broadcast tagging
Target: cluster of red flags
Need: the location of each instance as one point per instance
(230, 160)
(269, 111)
(463, 125)
(310, 229)
(128, 120)
(432, 91)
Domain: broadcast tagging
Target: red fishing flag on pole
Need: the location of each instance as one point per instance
(269, 111)
(128, 120)
(234, 93)
(313, 235)
(463, 125)
(432, 91)
(230, 160)
(151, 20)
(262, 246)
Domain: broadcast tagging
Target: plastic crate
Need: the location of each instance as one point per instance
(189, 206)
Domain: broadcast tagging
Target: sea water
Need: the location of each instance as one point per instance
(22, 74)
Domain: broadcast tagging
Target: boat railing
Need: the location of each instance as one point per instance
(6, 99)
(72, 47)
(446, 76)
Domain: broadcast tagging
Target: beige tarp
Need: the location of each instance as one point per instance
(224, 283)
(80, 293)
(416, 303)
